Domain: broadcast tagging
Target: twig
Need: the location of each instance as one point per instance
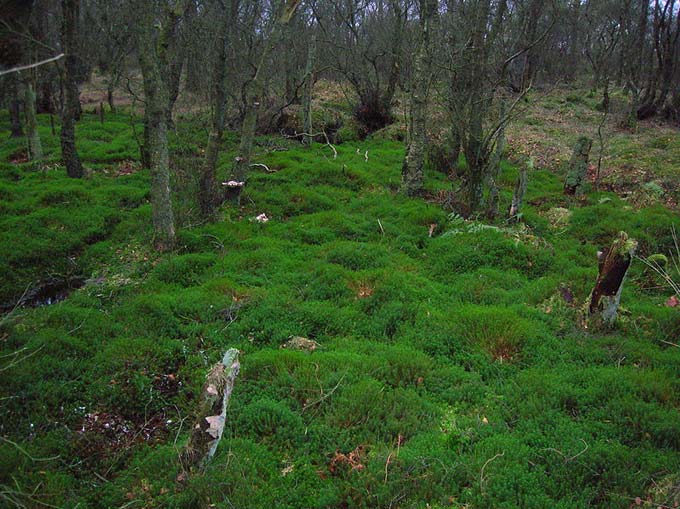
(325, 396)
(481, 473)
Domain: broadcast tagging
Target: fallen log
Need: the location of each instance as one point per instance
(211, 413)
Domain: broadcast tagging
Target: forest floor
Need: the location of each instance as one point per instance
(449, 368)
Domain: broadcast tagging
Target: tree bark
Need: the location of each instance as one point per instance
(35, 150)
(156, 130)
(71, 109)
(578, 167)
(211, 414)
(613, 265)
(412, 169)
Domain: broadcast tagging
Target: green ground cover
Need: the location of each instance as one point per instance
(450, 372)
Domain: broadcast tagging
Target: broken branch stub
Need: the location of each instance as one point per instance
(613, 266)
(211, 414)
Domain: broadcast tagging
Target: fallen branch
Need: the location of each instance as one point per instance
(31, 66)
(314, 135)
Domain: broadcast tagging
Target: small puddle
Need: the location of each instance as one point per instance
(48, 292)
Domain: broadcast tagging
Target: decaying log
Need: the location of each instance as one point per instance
(211, 414)
(578, 166)
(613, 266)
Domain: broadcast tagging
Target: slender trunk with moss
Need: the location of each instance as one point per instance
(307, 137)
(208, 198)
(254, 93)
(35, 150)
(156, 129)
(71, 108)
(412, 169)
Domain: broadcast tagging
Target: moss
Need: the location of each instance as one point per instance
(446, 346)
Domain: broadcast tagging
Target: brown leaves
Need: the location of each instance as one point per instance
(350, 462)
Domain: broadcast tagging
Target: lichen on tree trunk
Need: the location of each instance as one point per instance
(578, 167)
(614, 262)
(211, 413)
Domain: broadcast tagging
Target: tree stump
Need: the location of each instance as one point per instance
(211, 414)
(578, 167)
(613, 266)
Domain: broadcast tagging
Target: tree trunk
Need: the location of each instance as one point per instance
(35, 151)
(211, 414)
(253, 96)
(412, 169)
(578, 167)
(208, 198)
(156, 130)
(71, 109)
(307, 137)
(16, 130)
(613, 266)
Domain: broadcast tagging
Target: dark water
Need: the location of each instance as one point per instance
(48, 292)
